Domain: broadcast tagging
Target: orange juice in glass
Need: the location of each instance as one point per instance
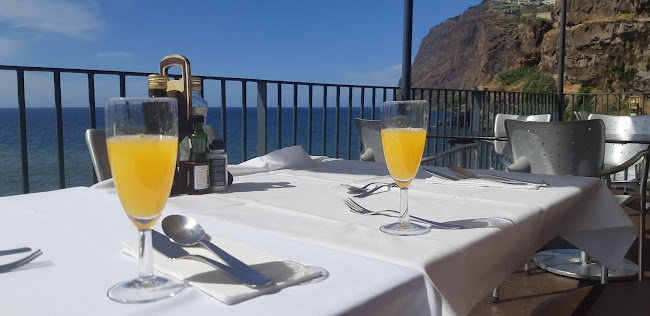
(142, 142)
(403, 134)
(143, 179)
(406, 146)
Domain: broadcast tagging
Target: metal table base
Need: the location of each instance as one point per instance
(576, 264)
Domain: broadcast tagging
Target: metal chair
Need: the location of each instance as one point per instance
(373, 150)
(96, 141)
(500, 146)
(581, 115)
(567, 148)
(370, 134)
(616, 154)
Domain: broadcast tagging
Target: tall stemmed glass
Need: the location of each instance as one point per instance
(403, 133)
(142, 142)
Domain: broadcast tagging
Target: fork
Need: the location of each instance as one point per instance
(356, 189)
(14, 251)
(13, 265)
(358, 209)
(372, 191)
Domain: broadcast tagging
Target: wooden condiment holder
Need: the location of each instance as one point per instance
(181, 90)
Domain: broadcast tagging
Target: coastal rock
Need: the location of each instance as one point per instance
(609, 52)
(466, 51)
(607, 45)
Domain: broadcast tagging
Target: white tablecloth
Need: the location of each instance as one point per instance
(297, 214)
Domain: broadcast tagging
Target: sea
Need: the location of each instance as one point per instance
(42, 140)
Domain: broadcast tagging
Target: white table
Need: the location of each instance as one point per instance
(297, 215)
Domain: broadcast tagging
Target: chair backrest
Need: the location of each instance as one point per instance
(211, 133)
(616, 154)
(96, 141)
(500, 128)
(581, 115)
(560, 148)
(370, 132)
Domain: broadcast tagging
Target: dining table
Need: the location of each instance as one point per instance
(287, 205)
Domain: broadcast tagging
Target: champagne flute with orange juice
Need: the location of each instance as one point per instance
(142, 143)
(403, 134)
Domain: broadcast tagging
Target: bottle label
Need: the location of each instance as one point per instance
(201, 180)
(218, 172)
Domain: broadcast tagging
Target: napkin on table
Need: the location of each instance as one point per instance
(218, 284)
(293, 157)
(482, 183)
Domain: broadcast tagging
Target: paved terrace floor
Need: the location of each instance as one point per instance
(544, 293)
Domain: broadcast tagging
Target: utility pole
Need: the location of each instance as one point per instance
(406, 49)
(560, 62)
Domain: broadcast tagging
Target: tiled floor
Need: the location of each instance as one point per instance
(544, 293)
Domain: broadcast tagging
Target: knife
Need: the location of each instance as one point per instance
(174, 251)
(440, 175)
(468, 174)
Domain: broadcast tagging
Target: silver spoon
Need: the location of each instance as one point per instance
(186, 231)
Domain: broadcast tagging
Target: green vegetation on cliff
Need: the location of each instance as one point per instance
(529, 78)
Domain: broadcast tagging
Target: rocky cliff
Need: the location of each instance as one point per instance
(607, 45)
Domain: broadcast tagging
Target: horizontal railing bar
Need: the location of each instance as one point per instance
(305, 83)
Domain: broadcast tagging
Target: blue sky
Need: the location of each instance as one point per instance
(338, 41)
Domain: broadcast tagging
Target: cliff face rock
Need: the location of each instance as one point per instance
(607, 45)
(581, 11)
(444, 59)
(467, 51)
(603, 53)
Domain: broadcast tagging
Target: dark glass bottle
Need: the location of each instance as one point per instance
(198, 141)
(199, 176)
(157, 86)
(151, 109)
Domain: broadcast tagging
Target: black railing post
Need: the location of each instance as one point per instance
(59, 127)
(279, 115)
(91, 108)
(122, 85)
(261, 118)
(295, 114)
(337, 120)
(324, 128)
(349, 121)
(244, 120)
(20, 83)
(91, 100)
(310, 106)
(406, 49)
(223, 111)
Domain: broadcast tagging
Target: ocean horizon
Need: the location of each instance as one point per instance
(42, 141)
(43, 165)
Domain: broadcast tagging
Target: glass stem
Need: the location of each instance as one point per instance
(145, 257)
(404, 206)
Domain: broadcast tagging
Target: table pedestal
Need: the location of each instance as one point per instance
(574, 263)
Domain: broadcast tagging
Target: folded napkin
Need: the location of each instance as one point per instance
(220, 285)
(293, 157)
(483, 183)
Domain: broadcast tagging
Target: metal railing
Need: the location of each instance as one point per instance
(611, 103)
(319, 115)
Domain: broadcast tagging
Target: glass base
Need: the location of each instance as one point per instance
(411, 229)
(137, 291)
